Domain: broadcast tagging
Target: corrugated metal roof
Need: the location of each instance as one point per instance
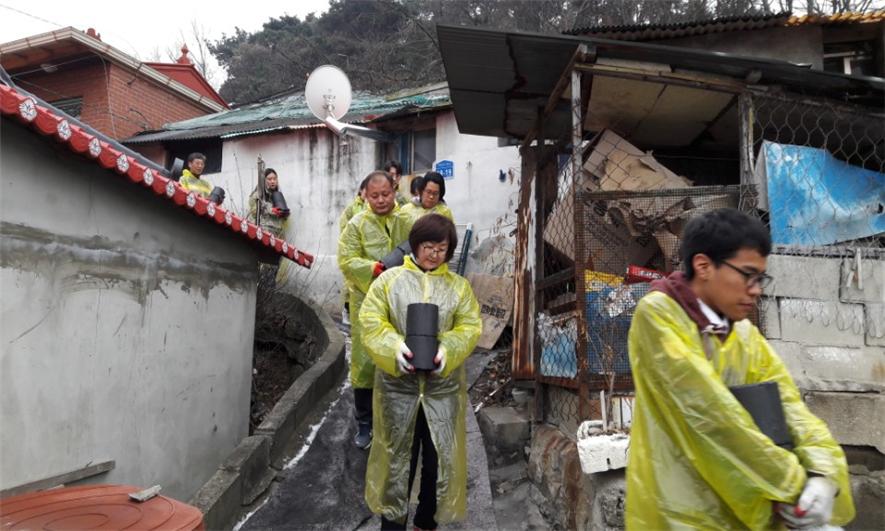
(287, 112)
(499, 79)
(646, 32)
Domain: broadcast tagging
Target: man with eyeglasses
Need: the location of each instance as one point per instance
(697, 459)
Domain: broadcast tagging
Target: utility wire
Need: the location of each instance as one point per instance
(35, 17)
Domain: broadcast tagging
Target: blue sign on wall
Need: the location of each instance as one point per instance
(446, 168)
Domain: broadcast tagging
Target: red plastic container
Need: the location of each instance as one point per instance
(96, 507)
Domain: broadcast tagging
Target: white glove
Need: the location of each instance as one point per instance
(440, 361)
(403, 355)
(815, 505)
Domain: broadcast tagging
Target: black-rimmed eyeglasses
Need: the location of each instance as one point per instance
(763, 280)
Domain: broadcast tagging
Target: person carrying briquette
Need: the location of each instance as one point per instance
(271, 202)
(366, 239)
(432, 193)
(418, 412)
(697, 458)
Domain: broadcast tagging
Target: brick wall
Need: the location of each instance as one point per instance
(116, 101)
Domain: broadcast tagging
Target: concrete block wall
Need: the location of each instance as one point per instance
(825, 317)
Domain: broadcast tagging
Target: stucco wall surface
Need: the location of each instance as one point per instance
(126, 326)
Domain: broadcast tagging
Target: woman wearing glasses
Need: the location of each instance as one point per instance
(432, 193)
(414, 411)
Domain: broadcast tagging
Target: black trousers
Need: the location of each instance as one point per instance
(422, 443)
(362, 402)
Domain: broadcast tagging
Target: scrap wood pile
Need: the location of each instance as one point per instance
(634, 209)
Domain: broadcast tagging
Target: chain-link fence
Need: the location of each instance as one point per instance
(813, 172)
(819, 171)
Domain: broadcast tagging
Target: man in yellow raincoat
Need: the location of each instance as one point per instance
(415, 409)
(191, 178)
(432, 192)
(367, 238)
(697, 459)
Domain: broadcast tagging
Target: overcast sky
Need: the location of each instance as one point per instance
(145, 29)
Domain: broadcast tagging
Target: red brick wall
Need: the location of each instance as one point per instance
(115, 100)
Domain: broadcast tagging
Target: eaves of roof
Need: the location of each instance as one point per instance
(105, 50)
(55, 125)
(498, 79)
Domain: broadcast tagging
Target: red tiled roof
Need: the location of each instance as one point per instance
(110, 155)
(849, 17)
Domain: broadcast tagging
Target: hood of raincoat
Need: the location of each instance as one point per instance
(676, 286)
(397, 397)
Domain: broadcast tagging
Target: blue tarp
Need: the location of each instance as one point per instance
(816, 199)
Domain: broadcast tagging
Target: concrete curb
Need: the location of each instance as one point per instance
(249, 470)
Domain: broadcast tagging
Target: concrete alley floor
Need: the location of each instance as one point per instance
(324, 487)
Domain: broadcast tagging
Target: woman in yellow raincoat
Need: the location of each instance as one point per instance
(432, 193)
(415, 410)
(367, 238)
(697, 459)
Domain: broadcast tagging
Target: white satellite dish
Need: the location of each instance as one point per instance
(329, 95)
(328, 92)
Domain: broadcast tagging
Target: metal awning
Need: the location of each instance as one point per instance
(499, 79)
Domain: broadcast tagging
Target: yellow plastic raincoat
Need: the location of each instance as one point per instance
(355, 207)
(366, 239)
(397, 397)
(403, 197)
(192, 183)
(416, 211)
(697, 459)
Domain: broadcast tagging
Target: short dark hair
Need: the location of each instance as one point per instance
(364, 183)
(415, 186)
(378, 174)
(394, 164)
(268, 171)
(434, 228)
(194, 156)
(720, 234)
(433, 177)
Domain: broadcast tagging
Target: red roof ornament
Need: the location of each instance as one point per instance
(184, 60)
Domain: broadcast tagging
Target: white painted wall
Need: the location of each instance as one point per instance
(319, 179)
(126, 326)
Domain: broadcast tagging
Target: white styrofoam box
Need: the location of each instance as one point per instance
(599, 453)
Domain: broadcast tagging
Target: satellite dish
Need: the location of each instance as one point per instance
(328, 96)
(328, 92)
